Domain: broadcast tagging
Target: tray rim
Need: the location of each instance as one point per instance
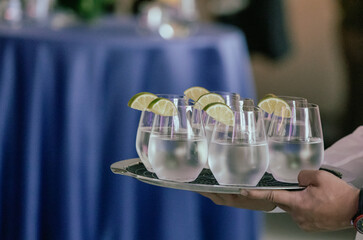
(120, 168)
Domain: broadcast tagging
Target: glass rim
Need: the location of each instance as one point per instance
(245, 99)
(251, 109)
(292, 98)
(170, 95)
(225, 92)
(189, 105)
(308, 106)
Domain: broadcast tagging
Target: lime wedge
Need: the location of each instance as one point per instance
(195, 92)
(163, 106)
(208, 98)
(275, 105)
(141, 100)
(220, 112)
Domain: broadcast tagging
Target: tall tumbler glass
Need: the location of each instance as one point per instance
(178, 146)
(295, 143)
(238, 154)
(145, 126)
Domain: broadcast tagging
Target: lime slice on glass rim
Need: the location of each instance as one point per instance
(163, 107)
(220, 112)
(195, 92)
(277, 106)
(141, 101)
(208, 98)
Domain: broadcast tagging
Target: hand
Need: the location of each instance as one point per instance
(327, 202)
(239, 201)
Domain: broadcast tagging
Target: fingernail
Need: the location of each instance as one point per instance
(244, 192)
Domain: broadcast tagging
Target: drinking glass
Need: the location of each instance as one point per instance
(295, 143)
(246, 104)
(145, 126)
(292, 101)
(142, 137)
(178, 147)
(238, 154)
(232, 100)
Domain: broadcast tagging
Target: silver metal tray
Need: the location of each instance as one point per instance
(204, 183)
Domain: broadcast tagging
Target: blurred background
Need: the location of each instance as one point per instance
(54, 164)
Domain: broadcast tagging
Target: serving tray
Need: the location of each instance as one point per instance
(204, 183)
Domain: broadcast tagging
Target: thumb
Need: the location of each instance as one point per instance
(279, 197)
(308, 177)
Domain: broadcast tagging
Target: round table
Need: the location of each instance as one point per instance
(64, 120)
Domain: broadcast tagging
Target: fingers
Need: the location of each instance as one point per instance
(279, 197)
(222, 199)
(216, 198)
(239, 201)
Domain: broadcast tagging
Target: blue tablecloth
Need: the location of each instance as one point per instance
(64, 120)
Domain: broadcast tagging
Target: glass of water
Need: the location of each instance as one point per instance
(246, 104)
(142, 137)
(238, 154)
(178, 147)
(295, 143)
(233, 100)
(145, 126)
(292, 101)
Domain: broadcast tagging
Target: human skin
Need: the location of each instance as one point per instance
(239, 201)
(326, 204)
